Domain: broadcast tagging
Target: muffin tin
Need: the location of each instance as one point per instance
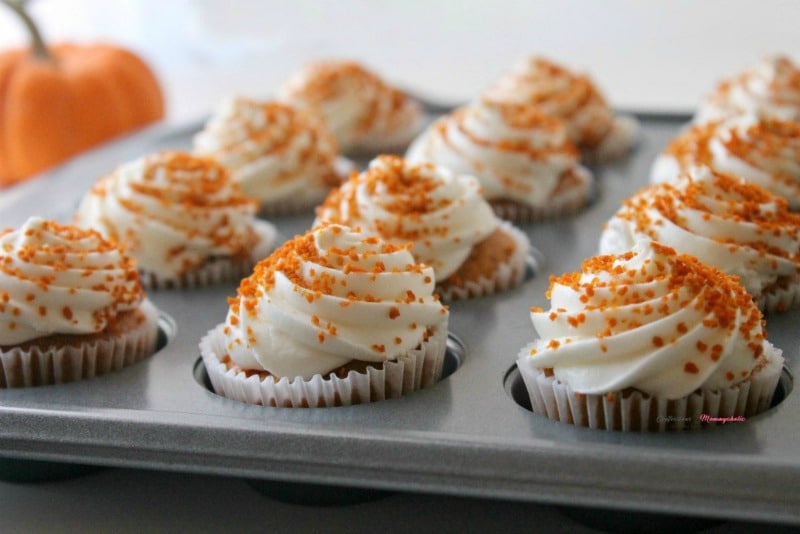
(470, 434)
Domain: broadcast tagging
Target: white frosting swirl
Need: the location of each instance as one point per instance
(173, 212)
(737, 227)
(442, 213)
(556, 91)
(273, 151)
(329, 297)
(58, 279)
(662, 323)
(770, 88)
(516, 152)
(765, 152)
(362, 112)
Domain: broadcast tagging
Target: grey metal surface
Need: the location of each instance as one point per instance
(465, 436)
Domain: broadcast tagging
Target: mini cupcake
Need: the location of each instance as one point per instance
(765, 152)
(574, 99)
(737, 227)
(364, 113)
(648, 340)
(451, 225)
(181, 217)
(770, 88)
(525, 163)
(282, 157)
(331, 318)
(71, 306)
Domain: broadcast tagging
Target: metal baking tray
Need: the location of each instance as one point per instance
(467, 435)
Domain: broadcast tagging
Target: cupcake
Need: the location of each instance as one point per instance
(735, 226)
(282, 157)
(765, 152)
(527, 167)
(181, 217)
(770, 88)
(574, 99)
(648, 340)
(332, 317)
(71, 306)
(451, 225)
(364, 113)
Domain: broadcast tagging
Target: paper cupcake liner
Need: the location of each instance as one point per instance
(307, 199)
(618, 142)
(219, 269)
(300, 204)
(639, 412)
(418, 369)
(565, 204)
(395, 142)
(523, 214)
(508, 275)
(38, 366)
(780, 299)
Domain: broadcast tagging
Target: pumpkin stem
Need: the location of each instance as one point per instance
(37, 43)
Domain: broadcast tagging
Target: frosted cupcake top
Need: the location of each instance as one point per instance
(516, 152)
(735, 226)
(173, 212)
(770, 88)
(272, 150)
(361, 110)
(58, 279)
(763, 151)
(648, 319)
(560, 93)
(442, 213)
(329, 297)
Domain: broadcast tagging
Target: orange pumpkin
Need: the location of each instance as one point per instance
(59, 100)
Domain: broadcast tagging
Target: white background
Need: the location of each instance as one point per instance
(646, 55)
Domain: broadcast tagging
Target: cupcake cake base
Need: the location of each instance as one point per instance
(572, 195)
(65, 358)
(218, 269)
(496, 264)
(418, 369)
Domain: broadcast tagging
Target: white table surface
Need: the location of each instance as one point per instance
(646, 55)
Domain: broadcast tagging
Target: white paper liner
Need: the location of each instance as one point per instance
(639, 412)
(418, 369)
(218, 269)
(301, 204)
(56, 365)
(508, 275)
(565, 204)
(780, 299)
(618, 142)
(311, 196)
(387, 143)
